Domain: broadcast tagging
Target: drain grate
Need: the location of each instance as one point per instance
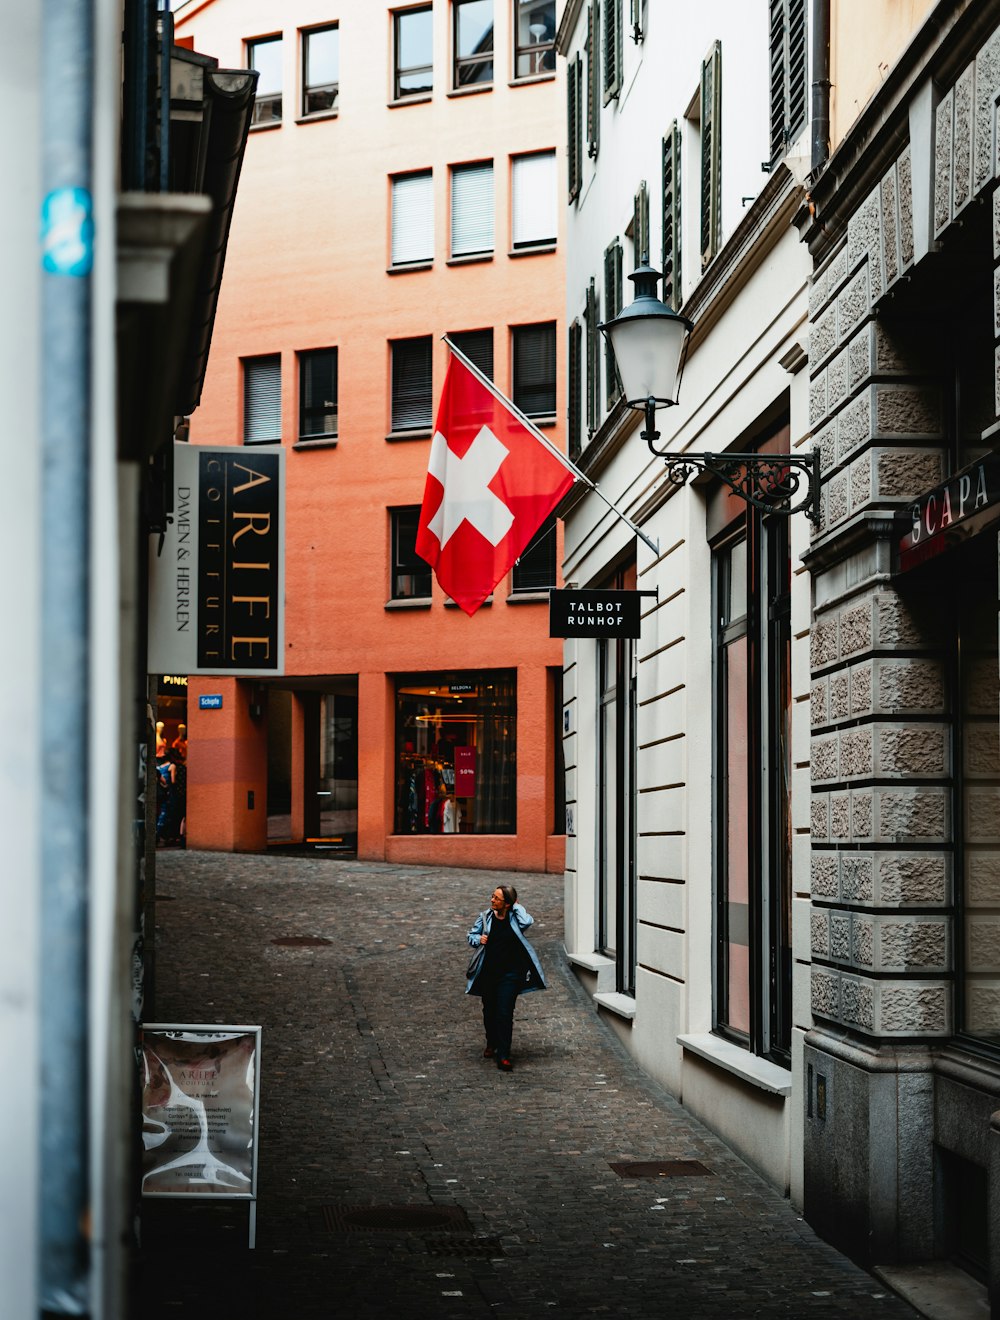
(300, 941)
(395, 1219)
(662, 1169)
(479, 1248)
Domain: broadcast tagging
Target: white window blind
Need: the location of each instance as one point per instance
(412, 218)
(262, 401)
(534, 211)
(472, 209)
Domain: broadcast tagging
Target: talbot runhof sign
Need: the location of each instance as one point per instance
(587, 613)
(217, 586)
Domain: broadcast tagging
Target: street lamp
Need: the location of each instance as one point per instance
(649, 340)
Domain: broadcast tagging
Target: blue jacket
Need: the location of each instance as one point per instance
(519, 920)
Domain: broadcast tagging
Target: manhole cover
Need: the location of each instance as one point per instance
(481, 1248)
(300, 941)
(662, 1169)
(395, 1219)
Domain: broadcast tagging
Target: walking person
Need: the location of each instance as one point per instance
(507, 968)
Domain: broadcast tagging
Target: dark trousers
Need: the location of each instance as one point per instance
(499, 996)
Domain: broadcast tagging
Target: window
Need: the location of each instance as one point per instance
(411, 575)
(477, 345)
(320, 70)
(265, 57)
(612, 306)
(318, 394)
(671, 219)
(593, 78)
(535, 221)
(534, 354)
(574, 419)
(535, 569)
(788, 74)
(456, 753)
(574, 126)
(592, 315)
(534, 37)
(262, 400)
(640, 226)
(710, 109)
(616, 826)
(411, 384)
(752, 576)
(473, 42)
(413, 36)
(472, 209)
(412, 219)
(612, 49)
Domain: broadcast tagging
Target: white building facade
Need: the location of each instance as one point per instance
(687, 749)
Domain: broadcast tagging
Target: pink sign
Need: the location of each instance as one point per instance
(465, 772)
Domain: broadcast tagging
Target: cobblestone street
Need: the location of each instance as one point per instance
(375, 1094)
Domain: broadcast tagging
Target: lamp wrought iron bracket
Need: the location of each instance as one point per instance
(774, 483)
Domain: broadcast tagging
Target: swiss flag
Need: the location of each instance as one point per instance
(490, 486)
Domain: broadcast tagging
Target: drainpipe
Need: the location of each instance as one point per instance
(67, 256)
(820, 108)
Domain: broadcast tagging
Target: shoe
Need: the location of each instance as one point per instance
(488, 1052)
(505, 1064)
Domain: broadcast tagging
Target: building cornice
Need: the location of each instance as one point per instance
(939, 49)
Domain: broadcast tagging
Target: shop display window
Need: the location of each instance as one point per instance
(456, 742)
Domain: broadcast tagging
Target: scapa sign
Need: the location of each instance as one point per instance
(594, 613)
(217, 588)
(951, 512)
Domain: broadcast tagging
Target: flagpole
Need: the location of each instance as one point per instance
(566, 462)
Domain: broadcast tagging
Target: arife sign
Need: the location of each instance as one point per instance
(217, 587)
(952, 512)
(588, 613)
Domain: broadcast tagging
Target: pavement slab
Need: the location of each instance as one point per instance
(374, 1094)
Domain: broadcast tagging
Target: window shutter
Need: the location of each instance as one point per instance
(574, 417)
(262, 401)
(472, 209)
(534, 205)
(592, 317)
(612, 306)
(637, 21)
(612, 49)
(788, 73)
(477, 345)
(411, 384)
(573, 136)
(535, 369)
(640, 225)
(711, 154)
(594, 78)
(412, 219)
(671, 255)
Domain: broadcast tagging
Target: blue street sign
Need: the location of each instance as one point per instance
(210, 701)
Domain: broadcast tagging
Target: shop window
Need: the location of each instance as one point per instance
(318, 394)
(477, 345)
(412, 219)
(535, 569)
(472, 209)
(534, 37)
(262, 400)
(752, 780)
(456, 744)
(411, 384)
(320, 70)
(265, 56)
(534, 219)
(473, 42)
(534, 354)
(411, 575)
(413, 52)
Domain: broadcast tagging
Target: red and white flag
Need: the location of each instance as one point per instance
(491, 483)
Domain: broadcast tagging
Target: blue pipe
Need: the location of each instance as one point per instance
(67, 258)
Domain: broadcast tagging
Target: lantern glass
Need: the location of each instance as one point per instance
(649, 351)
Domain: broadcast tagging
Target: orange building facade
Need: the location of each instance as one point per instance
(403, 181)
